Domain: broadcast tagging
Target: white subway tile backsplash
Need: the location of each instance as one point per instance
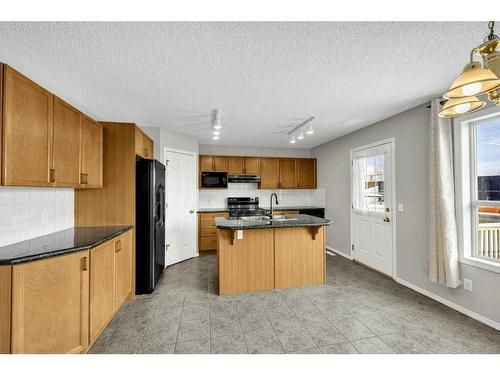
(299, 197)
(27, 213)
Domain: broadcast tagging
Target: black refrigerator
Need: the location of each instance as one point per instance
(150, 224)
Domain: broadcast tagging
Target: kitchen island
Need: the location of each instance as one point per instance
(260, 253)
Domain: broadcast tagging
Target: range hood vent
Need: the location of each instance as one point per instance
(239, 178)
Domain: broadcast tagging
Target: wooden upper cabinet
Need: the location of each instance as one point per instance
(306, 173)
(288, 173)
(27, 130)
(236, 164)
(269, 173)
(143, 144)
(206, 163)
(65, 170)
(50, 305)
(102, 288)
(91, 150)
(221, 164)
(252, 165)
(123, 268)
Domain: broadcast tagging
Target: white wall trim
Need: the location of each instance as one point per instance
(338, 252)
(448, 303)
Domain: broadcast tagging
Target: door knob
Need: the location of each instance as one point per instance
(191, 211)
(387, 220)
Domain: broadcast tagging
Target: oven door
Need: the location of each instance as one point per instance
(214, 180)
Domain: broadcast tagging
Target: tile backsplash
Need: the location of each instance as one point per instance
(27, 213)
(299, 197)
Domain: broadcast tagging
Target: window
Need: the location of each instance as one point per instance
(368, 181)
(477, 175)
(486, 188)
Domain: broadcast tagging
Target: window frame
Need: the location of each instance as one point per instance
(466, 202)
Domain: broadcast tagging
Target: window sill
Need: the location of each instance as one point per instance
(481, 263)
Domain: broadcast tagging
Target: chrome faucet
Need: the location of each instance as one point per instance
(271, 202)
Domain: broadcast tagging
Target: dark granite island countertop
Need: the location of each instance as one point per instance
(290, 222)
(59, 243)
(276, 208)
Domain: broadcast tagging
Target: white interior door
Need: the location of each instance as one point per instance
(180, 223)
(371, 189)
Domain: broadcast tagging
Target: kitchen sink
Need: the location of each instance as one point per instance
(268, 218)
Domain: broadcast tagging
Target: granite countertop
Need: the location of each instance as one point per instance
(277, 208)
(300, 221)
(59, 243)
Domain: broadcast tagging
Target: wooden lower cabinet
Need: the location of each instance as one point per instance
(50, 305)
(102, 287)
(123, 269)
(299, 259)
(207, 232)
(248, 264)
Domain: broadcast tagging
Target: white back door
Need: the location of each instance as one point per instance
(180, 223)
(371, 209)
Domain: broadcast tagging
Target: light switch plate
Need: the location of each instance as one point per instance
(401, 207)
(468, 284)
(239, 234)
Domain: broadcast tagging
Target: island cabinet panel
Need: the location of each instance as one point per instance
(102, 287)
(288, 174)
(92, 154)
(247, 264)
(123, 270)
(269, 173)
(50, 305)
(236, 164)
(300, 259)
(306, 173)
(65, 171)
(27, 131)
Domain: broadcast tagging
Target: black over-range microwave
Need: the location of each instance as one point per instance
(214, 180)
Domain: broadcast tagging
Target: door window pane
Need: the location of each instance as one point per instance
(368, 183)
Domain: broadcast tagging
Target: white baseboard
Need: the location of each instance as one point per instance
(339, 252)
(448, 303)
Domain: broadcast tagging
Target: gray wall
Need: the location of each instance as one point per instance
(163, 137)
(410, 129)
(254, 151)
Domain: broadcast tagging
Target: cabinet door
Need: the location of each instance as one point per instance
(236, 164)
(139, 142)
(306, 173)
(252, 165)
(102, 287)
(27, 129)
(91, 148)
(288, 174)
(206, 163)
(66, 145)
(220, 164)
(123, 255)
(50, 305)
(269, 173)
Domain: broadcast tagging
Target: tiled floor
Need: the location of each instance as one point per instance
(358, 311)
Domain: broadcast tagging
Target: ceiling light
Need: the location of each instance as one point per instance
(216, 132)
(216, 120)
(301, 135)
(217, 124)
(310, 129)
(293, 140)
(215, 137)
(474, 80)
(460, 106)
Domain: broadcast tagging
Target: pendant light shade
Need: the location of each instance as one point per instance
(474, 80)
(460, 106)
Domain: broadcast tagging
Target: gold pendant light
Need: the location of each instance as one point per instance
(476, 79)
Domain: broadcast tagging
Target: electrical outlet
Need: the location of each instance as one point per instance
(468, 284)
(239, 234)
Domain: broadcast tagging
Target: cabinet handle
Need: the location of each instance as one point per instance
(84, 264)
(83, 178)
(52, 175)
(118, 246)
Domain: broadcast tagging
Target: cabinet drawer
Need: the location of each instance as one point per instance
(208, 232)
(207, 224)
(209, 216)
(290, 213)
(208, 243)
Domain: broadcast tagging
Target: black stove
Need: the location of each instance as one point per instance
(244, 206)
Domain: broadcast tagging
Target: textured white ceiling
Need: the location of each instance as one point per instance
(263, 77)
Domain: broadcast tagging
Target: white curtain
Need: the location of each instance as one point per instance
(443, 254)
(358, 184)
